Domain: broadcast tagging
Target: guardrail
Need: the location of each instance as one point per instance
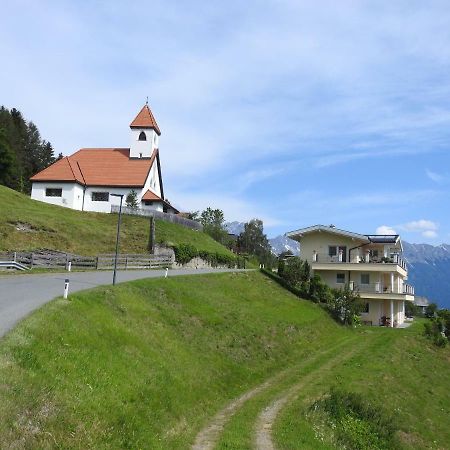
(167, 217)
(106, 262)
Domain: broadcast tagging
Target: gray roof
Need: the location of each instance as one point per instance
(330, 229)
(374, 238)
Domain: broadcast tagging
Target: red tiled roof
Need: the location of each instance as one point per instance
(145, 119)
(99, 167)
(149, 195)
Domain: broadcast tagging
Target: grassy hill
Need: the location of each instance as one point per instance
(84, 233)
(148, 364)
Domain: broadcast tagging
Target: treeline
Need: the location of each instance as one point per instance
(23, 152)
(252, 243)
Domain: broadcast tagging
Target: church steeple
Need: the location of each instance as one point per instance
(144, 134)
(145, 119)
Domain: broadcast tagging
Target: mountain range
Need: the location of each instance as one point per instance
(428, 265)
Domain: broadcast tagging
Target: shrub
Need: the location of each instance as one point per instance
(186, 252)
(345, 305)
(356, 423)
(436, 330)
(430, 310)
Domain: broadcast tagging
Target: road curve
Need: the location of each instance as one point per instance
(22, 294)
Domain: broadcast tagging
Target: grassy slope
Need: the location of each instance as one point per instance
(84, 233)
(146, 364)
(403, 375)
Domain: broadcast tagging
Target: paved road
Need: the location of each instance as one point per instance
(22, 294)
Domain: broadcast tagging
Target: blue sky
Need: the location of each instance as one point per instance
(294, 112)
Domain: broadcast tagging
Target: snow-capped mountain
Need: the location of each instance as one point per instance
(282, 244)
(234, 227)
(429, 271)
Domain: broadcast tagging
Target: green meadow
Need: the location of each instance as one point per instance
(148, 364)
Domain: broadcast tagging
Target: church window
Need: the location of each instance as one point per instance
(100, 196)
(53, 192)
(142, 136)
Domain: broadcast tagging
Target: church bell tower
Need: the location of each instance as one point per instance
(144, 134)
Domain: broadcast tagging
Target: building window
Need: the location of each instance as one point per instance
(100, 196)
(340, 278)
(365, 278)
(142, 136)
(335, 250)
(53, 192)
(148, 203)
(366, 308)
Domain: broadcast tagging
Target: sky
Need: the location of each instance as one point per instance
(294, 112)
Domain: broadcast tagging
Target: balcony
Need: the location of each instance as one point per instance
(356, 259)
(379, 288)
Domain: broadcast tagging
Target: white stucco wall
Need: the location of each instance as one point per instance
(320, 241)
(90, 205)
(144, 147)
(67, 198)
(72, 197)
(152, 181)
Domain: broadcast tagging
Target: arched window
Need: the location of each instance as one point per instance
(142, 136)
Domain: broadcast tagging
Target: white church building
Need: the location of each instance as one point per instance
(86, 179)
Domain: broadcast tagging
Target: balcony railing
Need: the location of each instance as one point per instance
(408, 289)
(379, 288)
(356, 259)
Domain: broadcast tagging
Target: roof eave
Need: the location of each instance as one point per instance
(298, 234)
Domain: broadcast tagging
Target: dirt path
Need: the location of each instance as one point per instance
(208, 437)
(266, 419)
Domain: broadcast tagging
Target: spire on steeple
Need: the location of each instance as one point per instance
(145, 119)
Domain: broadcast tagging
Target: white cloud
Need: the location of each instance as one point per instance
(426, 228)
(385, 229)
(419, 226)
(234, 207)
(256, 176)
(433, 176)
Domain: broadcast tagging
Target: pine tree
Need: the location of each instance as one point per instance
(6, 160)
(131, 199)
(30, 153)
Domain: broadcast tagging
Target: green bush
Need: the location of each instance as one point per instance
(435, 330)
(356, 423)
(186, 252)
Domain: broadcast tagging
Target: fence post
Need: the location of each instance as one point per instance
(126, 262)
(151, 239)
(31, 261)
(96, 263)
(15, 256)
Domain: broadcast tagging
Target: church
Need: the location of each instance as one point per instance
(86, 179)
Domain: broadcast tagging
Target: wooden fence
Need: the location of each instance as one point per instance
(60, 260)
(167, 217)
